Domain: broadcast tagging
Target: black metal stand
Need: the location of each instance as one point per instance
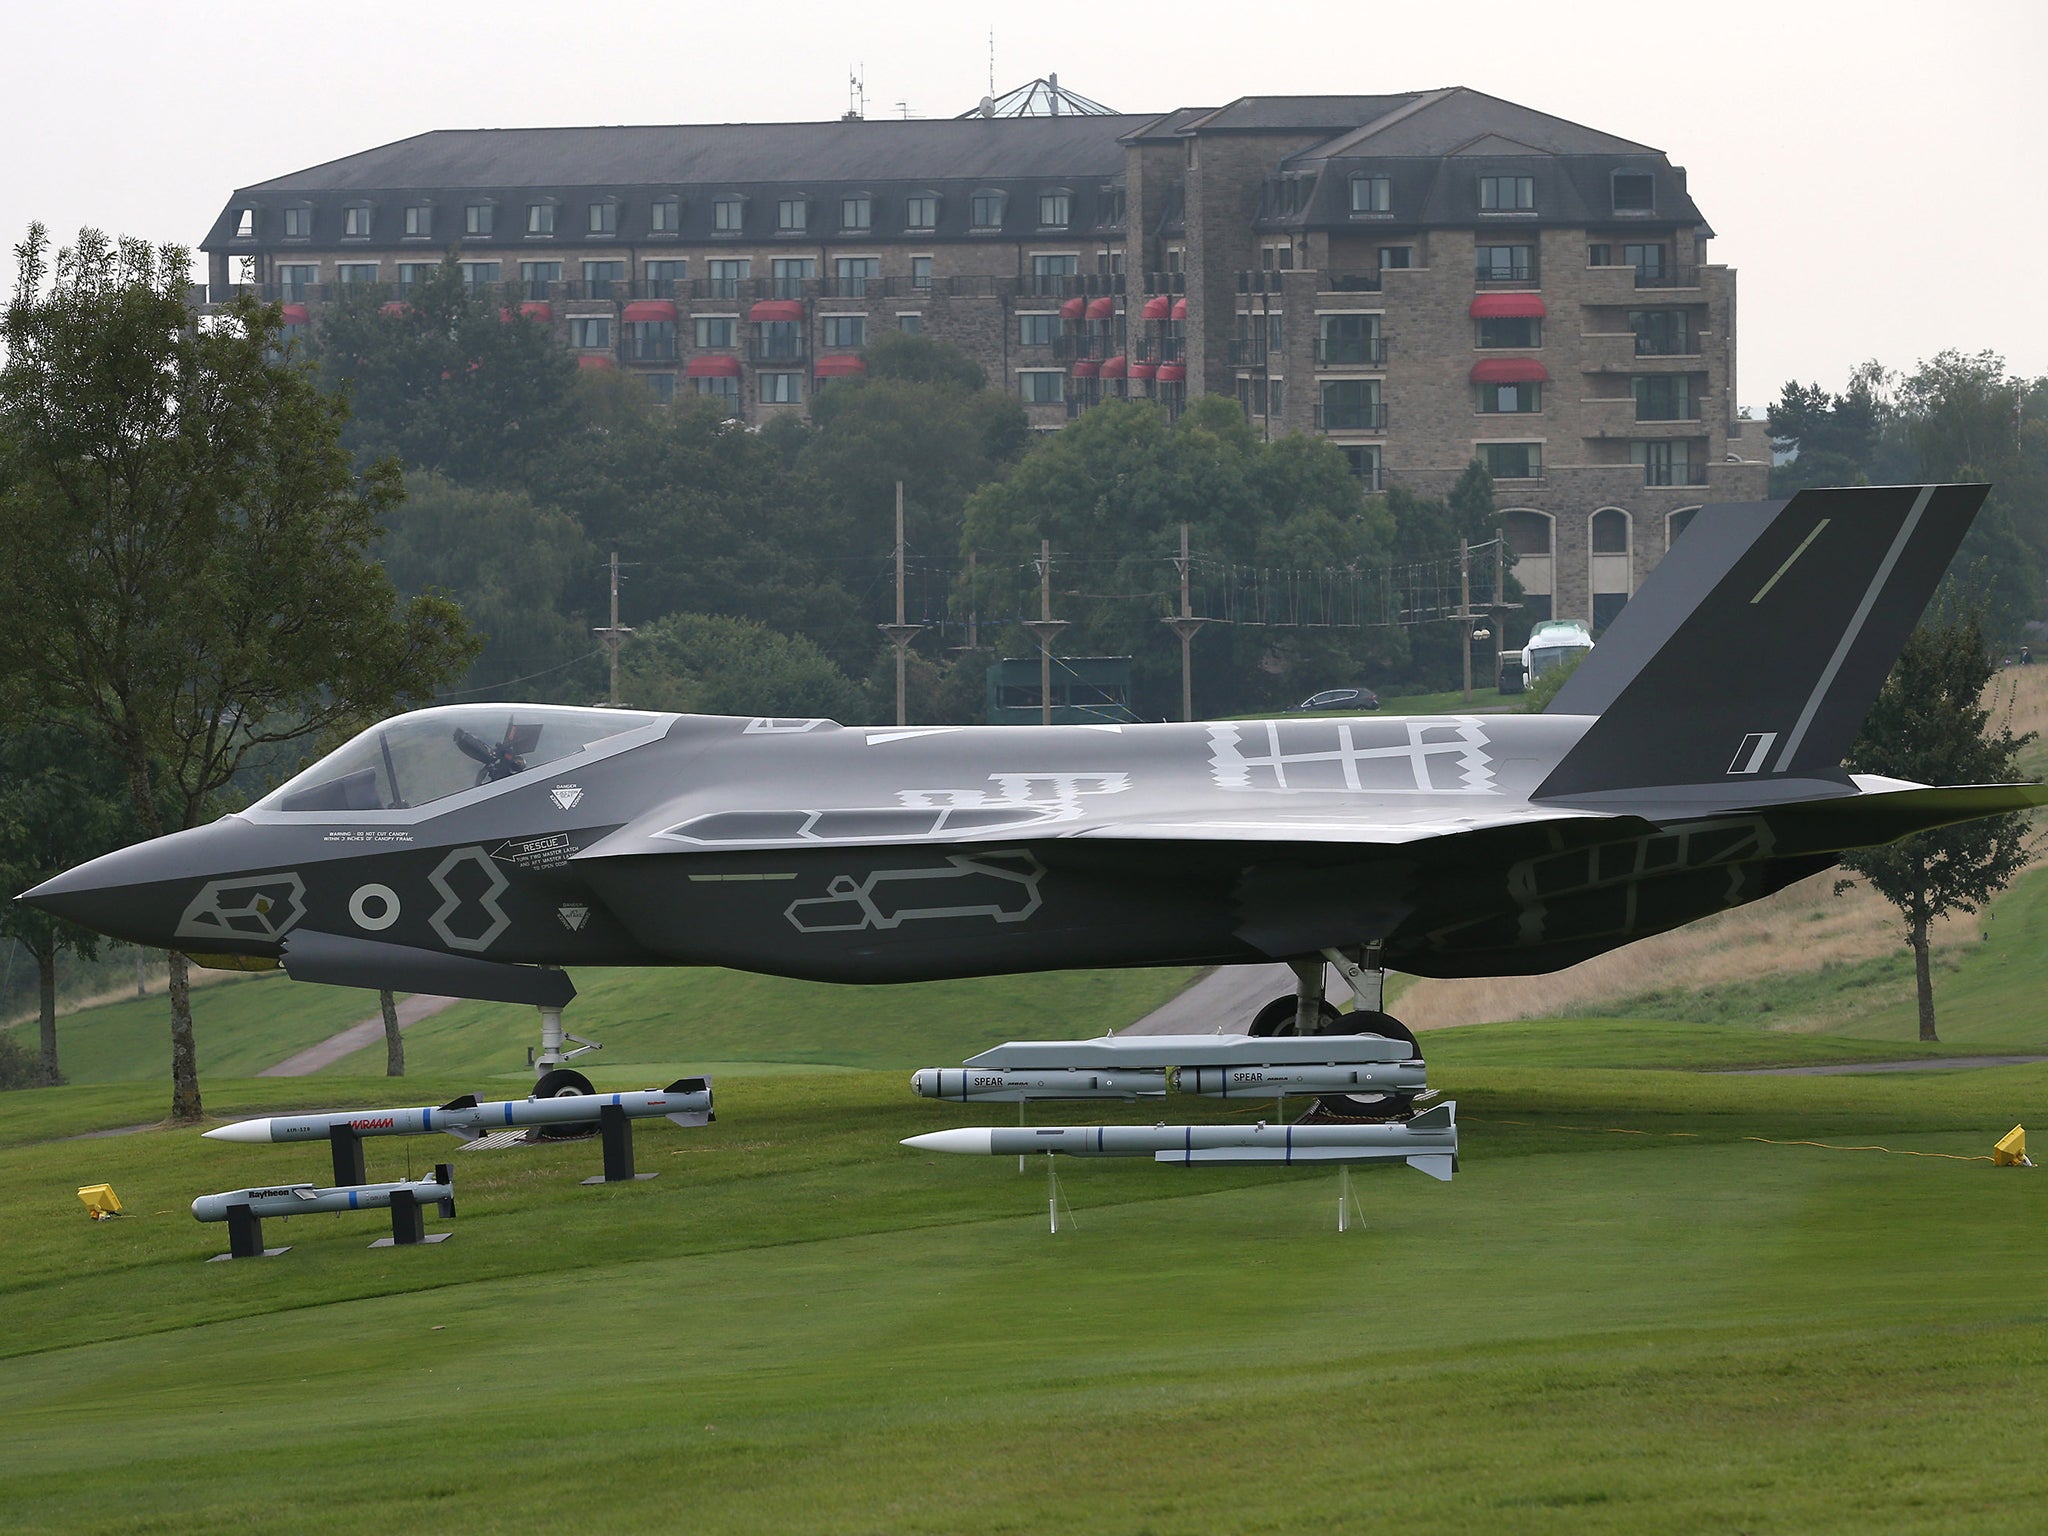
(245, 1237)
(409, 1221)
(347, 1147)
(617, 1133)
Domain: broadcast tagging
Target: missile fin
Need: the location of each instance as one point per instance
(466, 1101)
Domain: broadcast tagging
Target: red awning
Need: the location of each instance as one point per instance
(1143, 370)
(538, 309)
(395, 307)
(839, 367)
(1510, 370)
(650, 309)
(713, 366)
(1158, 307)
(595, 360)
(1180, 309)
(1508, 306)
(1073, 309)
(1087, 368)
(1102, 308)
(1115, 367)
(296, 314)
(1172, 373)
(770, 311)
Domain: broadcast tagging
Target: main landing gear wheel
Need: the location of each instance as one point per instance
(1371, 1106)
(1278, 1017)
(563, 1083)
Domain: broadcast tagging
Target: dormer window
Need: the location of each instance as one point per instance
(792, 215)
(298, 223)
(729, 214)
(604, 216)
(419, 220)
(665, 215)
(540, 218)
(1111, 201)
(1371, 194)
(857, 212)
(355, 221)
(1507, 194)
(477, 218)
(1635, 192)
(986, 210)
(921, 211)
(245, 224)
(1055, 208)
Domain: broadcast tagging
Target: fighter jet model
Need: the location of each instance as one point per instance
(1693, 763)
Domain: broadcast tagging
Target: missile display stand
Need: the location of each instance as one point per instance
(244, 1209)
(616, 1131)
(245, 1237)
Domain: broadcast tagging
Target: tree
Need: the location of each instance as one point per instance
(189, 542)
(706, 664)
(394, 1042)
(1928, 726)
(62, 801)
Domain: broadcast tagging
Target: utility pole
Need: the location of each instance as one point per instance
(615, 634)
(900, 634)
(1045, 628)
(1185, 625)
(1500, 598)
(1465, 609)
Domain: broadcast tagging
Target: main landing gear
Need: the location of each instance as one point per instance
(1307, 1011)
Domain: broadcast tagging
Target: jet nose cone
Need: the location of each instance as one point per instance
(78, 895)
(142, 893)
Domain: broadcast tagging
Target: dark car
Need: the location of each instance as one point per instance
(1339, 698)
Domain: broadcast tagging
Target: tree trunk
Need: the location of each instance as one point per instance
(185, 1103)
(394, 1043)
(46, 978)
(1924, 975)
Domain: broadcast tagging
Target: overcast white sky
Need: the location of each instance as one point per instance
(1869, 167)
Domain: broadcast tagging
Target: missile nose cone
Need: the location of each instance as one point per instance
(966, 1138)
(241, 1130)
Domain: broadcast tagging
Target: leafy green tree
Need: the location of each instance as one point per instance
(62, 801)
(1833, 439)
(189, 544)
(711, 664)
(1929, 725)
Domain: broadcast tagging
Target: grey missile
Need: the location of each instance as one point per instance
(686, 1101)
(969, 1085)
(1266, 1081)
(1428, 1143)
(310, 1199)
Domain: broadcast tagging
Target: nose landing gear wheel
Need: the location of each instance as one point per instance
(563, 1083)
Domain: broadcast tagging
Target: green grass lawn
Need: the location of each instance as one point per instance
(802, 1326)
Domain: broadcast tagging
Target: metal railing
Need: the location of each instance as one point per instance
(1686, 473)
(1513, 274)
(1668, 277)
(1351, 351)
(778, 349)
(1668, 346)
(647, 349)
(1166, 282)
(1246, 353)
(1351, 418)
(1085, 345)
(1349, 281)
(1160, 349)
(850, 287)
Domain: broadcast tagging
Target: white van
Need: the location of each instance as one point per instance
(1552, 642)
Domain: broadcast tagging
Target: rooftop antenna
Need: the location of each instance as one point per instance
(991, 61)
(856, 94)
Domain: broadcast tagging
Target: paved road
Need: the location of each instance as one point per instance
(1926, 1064)
(313, 1058)
(1224, 1001)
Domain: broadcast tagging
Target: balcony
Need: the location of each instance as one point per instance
(1349, 281)
(1668, 346)
(1668, 277)
(605, 290)
(1265, 280)
(1166, 282)
(1511, 274)
(844, 288)
(778, 349)
(1249, 354)
(1159, 349)
(647, 349)
(648, 288)
(724, 288)
(1653, 412)
(1687, 472)
(1351, 352)
(1351, 418)
(1070, 348)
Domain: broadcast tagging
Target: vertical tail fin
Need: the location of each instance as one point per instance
(1753, 652)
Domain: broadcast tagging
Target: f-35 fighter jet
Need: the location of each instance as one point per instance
(1693, 763)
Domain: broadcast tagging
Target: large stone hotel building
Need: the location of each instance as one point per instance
(1422, 278)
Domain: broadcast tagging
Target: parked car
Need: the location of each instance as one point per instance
(1339, 698)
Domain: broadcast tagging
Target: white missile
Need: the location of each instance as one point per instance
(971, 1085)
(1268, 1081)
(1428, 1143)
(686, 1102)
(310, 1199)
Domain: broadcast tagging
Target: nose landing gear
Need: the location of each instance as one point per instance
(555, 1080)
(1307, 1011)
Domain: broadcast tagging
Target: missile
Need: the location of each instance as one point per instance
(686, 1101)
(1267, 1081)
(310, 1199)
(1428, 1143)
(971, 1085)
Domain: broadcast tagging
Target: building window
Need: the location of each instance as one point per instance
(479, 274)
(1508, 399)
(1259, 334)
(1396, 257)
(245, 224)
(1513, 461)
(1111, 201)
(1049, 274)
(1664, 397)
(920, 271)
(857, 212)
(717, 333)
(778, 341)
(728, 217)
(1676, 523)
(540, 218)
(598, 277)
(1612, 575)
(1510, 331)
(1042, 387)
(910, 323)
(788, 275)
(604, 218)
(419, 221)
(1352, 339)
(1037, 330)
(1648, 260)
(1506, 263)
(298, 223)
(536, 276)
(664, 387)
(663, 276)
(1662, 332)
(846, 331)
(1261, 396)
(852, 274)
(355, 221)
(1507, 194)
(1350, 405)
(590, 330)
(294, 279)
(1054, 209)
(477, 218)
(921, 212)
(722, 388)
(793, 215)
(986, 210)
(724, 277)
(782, 388)
(651, 341)
(410, 272)
(665, 217)
(1635, 192)
(356, 272)
(1277, 258)
(1371, 194)
(1364, 459)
